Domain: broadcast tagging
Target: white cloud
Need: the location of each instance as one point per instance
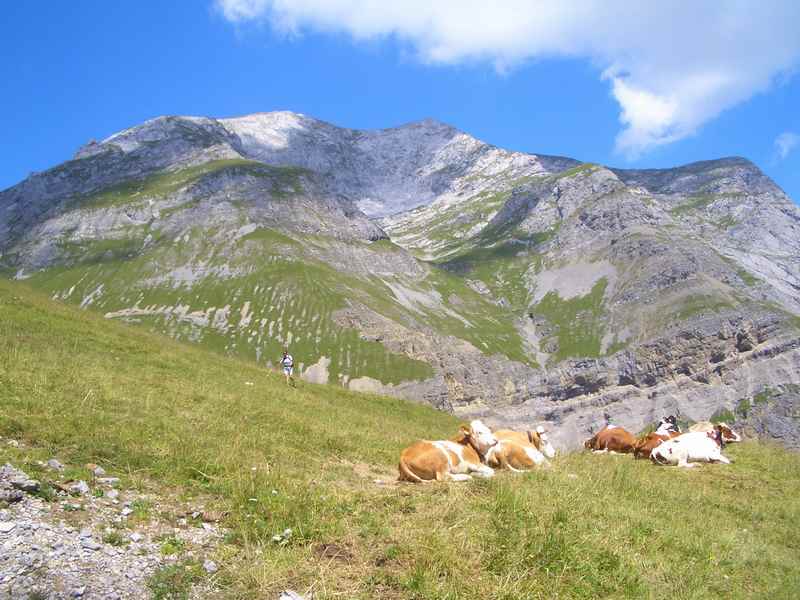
(672, 65)
(785, 143)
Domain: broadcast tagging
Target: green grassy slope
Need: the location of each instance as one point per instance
(290, 298)
(275, 300)
(76, 385)
(247, 295)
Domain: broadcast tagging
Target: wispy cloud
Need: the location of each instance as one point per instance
(785, 143)
(672, 65)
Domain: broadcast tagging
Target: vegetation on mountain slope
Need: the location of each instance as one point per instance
(577, 321)
(89, 390)
(201, 269)
(285, 182)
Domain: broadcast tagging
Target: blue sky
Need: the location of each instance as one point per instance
(82, 70)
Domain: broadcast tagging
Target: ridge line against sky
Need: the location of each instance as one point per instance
(595, 81)
(672, 65)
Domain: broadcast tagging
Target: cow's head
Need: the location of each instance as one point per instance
(478, 435)
(716, 435)
(727, 433)
(667, 425)
(539, 438)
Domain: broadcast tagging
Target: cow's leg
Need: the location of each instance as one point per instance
(482, 471)
(443, 475)
(502, 458)
(724, 460)
(669, 460)
(510, 467)
(459, 477)
(536, 458)
(603, 451)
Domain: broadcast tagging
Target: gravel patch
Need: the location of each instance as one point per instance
(82, 544)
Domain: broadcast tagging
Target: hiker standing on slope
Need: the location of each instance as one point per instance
(288, 366)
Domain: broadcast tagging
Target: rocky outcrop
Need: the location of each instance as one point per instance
(772, 414)
(691, 373)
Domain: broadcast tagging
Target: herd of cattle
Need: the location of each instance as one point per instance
(476, 450)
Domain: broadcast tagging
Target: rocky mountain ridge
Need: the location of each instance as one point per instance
(421, 262)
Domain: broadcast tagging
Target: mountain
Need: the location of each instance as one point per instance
(420, 262)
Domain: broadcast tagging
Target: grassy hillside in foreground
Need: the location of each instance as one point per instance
(86, 389)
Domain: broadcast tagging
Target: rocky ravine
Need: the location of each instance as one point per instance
(421, 262)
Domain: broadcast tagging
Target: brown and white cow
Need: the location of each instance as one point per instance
(449, 460)
(645, 445)
(520, 450)
(727, 432)
(611, 438)
(689, 448)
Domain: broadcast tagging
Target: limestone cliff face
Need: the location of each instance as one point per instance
(422, 262)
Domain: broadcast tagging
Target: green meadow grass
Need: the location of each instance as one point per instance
(578, 321)
(152, 410)
(285, 181)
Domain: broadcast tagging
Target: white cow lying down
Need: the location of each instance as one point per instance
(689, 448)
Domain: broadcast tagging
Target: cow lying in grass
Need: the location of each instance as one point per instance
(667, 429)
(449, 460)
(645, 445)
(728, 434)
(689, 448)
(520, 451)
(611, 438)
(617, 440)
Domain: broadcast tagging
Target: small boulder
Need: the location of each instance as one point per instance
(11, 478)
(10, 495)
(7, 526)
(90, 544)
(55, 465)
(80, 487)
(24, 484)
(210, 566)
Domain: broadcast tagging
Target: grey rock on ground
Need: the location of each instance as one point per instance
(43, 556)
(14, 484)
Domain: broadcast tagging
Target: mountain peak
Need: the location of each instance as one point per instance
(730, 174)
(427, 123)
